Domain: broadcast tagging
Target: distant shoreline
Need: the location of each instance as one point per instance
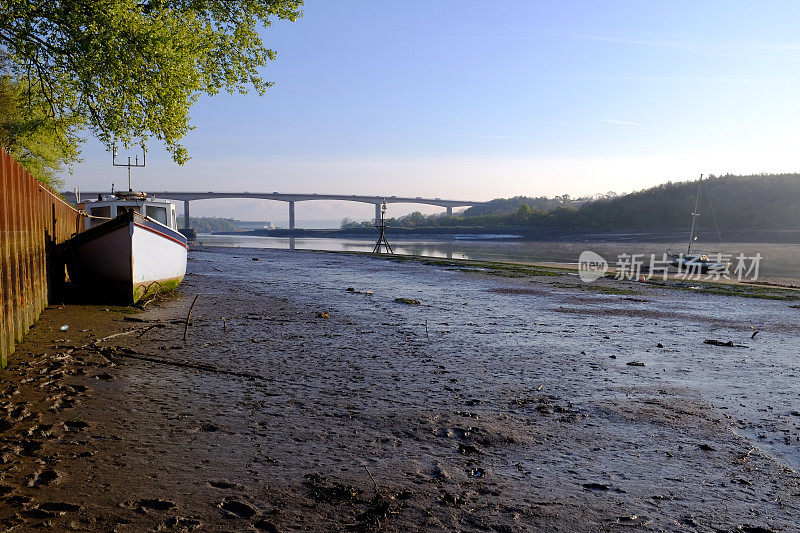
(529, 234)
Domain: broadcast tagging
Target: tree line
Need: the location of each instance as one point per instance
(762, 201)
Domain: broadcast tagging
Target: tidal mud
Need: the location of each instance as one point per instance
(308, 395)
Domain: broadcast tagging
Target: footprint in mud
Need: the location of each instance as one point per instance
(477, 472)
(237, 509)
(38, 514)
(59, 507)
(61, 402)
(43, 478)
(18, 500)
(42, 431)
(265, 525)
(19, 412)
(222, 484)
(209, 427)
(150, 504)
(75, 425)
(181, 523)
(452, 500)
(104, 377)
(30, 447)
(439, 473)
(601, 487)
(468, 449)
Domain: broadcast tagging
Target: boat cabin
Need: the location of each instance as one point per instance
(108, 207)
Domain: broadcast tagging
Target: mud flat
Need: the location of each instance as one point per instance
(341, 392)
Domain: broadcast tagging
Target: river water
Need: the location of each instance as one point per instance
(778, 260)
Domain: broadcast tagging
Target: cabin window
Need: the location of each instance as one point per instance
(102, 213)
(125, 208)
(159, 214)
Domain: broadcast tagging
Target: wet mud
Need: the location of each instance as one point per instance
(310, 394)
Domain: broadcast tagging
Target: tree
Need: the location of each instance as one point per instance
(524, 211)
(44, 146)
(129, 70)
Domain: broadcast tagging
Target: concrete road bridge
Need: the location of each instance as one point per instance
(291, 199)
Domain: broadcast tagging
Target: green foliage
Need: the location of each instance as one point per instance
(502, 206)
(209, 224)
(45, 147)
(348, 223)
(737, 202)
(131, 69)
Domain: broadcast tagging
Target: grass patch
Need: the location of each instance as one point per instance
(492, 268)
(722, 289)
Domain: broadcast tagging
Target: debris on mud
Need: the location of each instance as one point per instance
(727, 344)
(407, 301)
(323, 314)
(453, 500)
(326, 491)
(634, 363)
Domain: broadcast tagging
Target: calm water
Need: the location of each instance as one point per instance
(778, 260)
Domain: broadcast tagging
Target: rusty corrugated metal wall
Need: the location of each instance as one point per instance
(33, 220)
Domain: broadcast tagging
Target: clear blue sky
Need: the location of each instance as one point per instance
(478, 100)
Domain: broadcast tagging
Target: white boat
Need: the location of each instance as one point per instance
(697, 263)
(131, 248)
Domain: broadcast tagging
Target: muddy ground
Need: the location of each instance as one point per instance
(307, 398)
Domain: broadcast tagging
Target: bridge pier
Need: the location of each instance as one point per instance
(186, 224)
(291, 215)
(449, 211)
(377, 214)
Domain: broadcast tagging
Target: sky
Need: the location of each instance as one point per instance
(474, 100)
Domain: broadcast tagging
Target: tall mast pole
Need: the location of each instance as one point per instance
(695, 214)
(129, 164)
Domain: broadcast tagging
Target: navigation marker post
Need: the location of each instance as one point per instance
(382, 242)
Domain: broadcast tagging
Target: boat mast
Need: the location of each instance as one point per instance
(695, 214)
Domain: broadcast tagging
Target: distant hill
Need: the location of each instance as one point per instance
(756, 202)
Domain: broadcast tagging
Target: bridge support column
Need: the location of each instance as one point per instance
(377, 214)
(449, 211)
(291, 215)
(186, 224)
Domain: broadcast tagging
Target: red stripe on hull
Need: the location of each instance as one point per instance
(161, 234)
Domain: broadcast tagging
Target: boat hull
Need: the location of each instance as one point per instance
(697, 264)
(127, 259)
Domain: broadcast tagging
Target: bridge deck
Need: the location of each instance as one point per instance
(187, 197)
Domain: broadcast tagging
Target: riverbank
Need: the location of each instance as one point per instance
(307, 397)
(532, 234)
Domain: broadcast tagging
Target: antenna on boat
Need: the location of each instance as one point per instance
(129, 164)
(695, 214)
